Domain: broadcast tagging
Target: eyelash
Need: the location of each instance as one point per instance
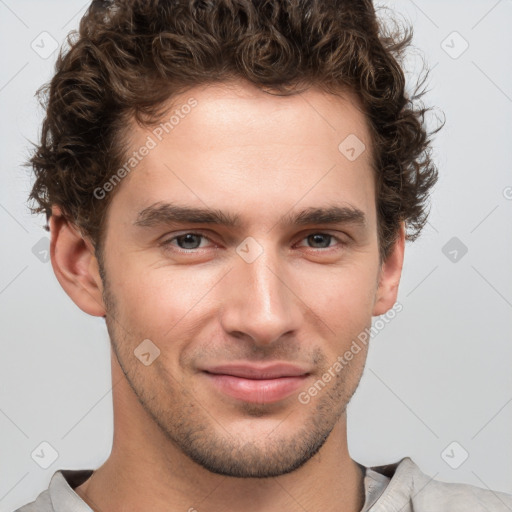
(168, 243)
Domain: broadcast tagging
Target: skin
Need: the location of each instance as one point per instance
(179, 443)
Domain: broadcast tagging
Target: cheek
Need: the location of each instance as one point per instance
(165, 302)
(160, 302)
(341, 297)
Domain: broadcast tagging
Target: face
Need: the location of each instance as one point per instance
(252, 300)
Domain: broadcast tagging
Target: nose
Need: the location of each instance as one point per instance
(258, 300)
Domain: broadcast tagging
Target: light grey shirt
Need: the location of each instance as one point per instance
(397, 487)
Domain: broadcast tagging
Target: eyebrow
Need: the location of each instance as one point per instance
(169, 213)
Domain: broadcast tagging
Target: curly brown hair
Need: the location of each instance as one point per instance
(130, 57)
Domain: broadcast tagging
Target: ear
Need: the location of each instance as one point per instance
(75, 264)
(389, 276)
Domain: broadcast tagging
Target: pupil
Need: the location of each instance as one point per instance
(190, 238)
(319, 237)
(187, 239)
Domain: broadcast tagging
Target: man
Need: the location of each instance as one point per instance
(230, 184)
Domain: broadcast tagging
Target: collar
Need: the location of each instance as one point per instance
(384, 485)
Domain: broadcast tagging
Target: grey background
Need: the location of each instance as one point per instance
(438, 373)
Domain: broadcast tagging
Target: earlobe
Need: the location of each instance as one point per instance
(75, 265)
(389, 276)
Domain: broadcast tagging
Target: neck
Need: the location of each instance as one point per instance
(145, 470)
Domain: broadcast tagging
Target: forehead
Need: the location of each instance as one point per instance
(224, 108)
(231, 143)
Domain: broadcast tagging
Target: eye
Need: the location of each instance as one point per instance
(322, 240)
(190, 242)
(187, 241)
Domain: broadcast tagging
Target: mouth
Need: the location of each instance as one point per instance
(257, 384)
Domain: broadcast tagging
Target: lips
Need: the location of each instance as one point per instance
(257, 383)
(247, 371)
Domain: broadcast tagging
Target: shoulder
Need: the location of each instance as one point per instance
(60, 495)
(42, 503)
(411, 490)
